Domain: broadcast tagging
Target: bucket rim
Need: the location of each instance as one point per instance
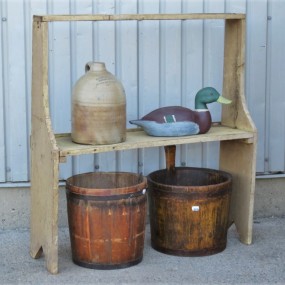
(75, 189)
(190, 188)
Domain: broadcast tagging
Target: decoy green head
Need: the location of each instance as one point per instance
(209, 95)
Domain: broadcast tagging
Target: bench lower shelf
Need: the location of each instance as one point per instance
(137, 138)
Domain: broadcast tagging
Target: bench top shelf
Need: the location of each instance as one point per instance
(137, 138)
(139, 17)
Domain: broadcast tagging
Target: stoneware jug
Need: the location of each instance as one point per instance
(98, 107)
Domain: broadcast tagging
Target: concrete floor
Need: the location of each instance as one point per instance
(260, 263)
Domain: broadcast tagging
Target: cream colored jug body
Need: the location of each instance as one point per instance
(98, 107)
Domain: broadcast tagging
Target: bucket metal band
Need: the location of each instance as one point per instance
(107, 266)
(73, 195)
(214, 193)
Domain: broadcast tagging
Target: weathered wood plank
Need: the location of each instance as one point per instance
(138, 139)
(243, 171)
(138, 17)
(235, 114)
(44, 158)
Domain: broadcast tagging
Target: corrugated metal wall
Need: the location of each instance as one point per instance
(159, 63)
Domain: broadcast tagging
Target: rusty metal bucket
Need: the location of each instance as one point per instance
(189, 209)
(106, 216)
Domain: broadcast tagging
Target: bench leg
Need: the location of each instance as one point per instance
(44, 209)
(239, 159)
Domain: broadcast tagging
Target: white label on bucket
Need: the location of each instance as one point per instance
(195, 208)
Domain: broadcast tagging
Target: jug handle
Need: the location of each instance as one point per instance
(88, 66)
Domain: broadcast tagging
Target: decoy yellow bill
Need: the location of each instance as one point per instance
(224, 100)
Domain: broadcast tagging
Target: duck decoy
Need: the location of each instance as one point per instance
(181, 121)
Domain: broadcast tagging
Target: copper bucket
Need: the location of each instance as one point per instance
(106, 216)
(189, 209)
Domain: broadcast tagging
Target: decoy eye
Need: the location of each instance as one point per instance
(211, 94)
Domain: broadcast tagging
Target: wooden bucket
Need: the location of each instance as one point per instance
(106, 216)
(189, 210)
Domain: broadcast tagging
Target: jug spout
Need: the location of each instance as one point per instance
(95, 66)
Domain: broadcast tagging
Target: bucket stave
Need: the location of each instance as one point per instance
(106, 216)
(189, 209)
